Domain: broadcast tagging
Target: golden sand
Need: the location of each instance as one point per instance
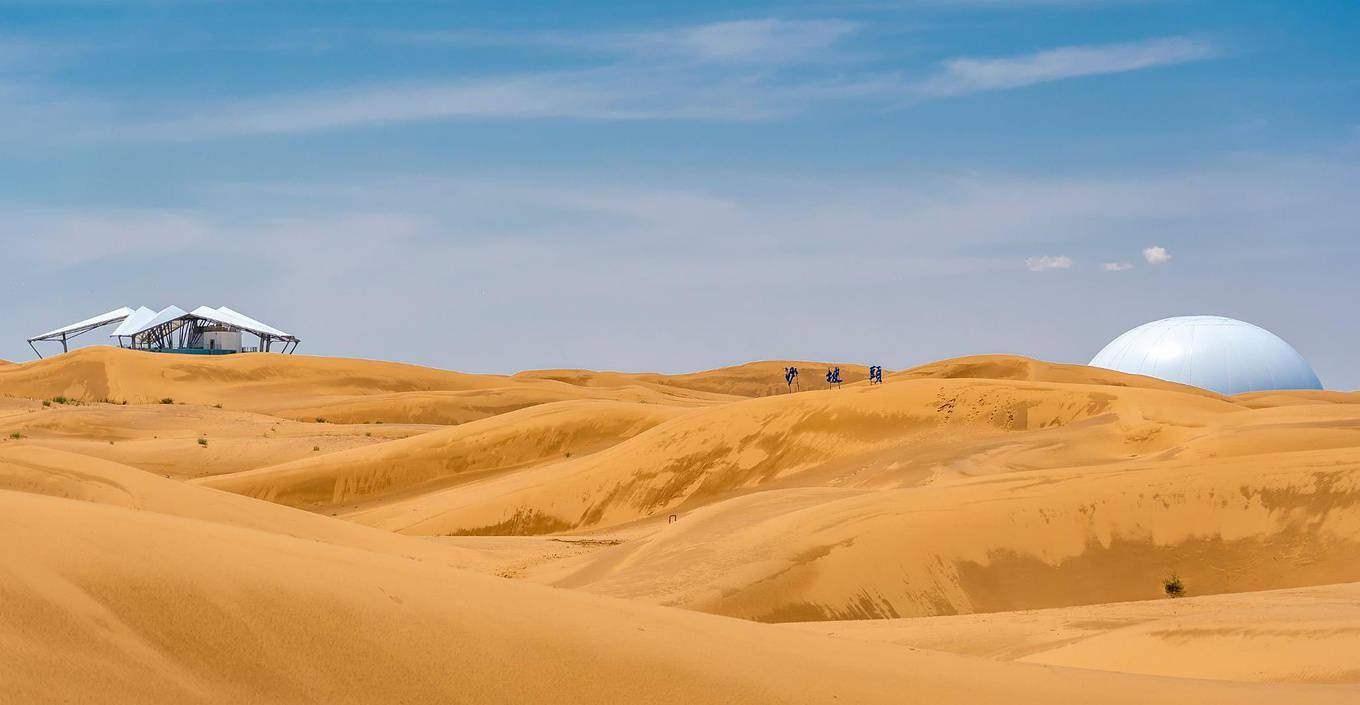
(288, 529)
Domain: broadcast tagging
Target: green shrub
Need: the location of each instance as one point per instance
(321, 419)
(16, 435)
(167, 400)
(203, 442)
(47, 402)
(1173, 587)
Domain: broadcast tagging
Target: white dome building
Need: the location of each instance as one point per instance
(1211, 352)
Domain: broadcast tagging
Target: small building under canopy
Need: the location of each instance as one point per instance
(203, 331)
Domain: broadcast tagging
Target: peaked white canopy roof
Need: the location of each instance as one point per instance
(231, 318)
(164, 316)
(86, 325)
(251, 324)
(133, 322)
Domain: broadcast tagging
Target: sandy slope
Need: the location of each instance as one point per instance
(165, 438)
(753, 379)
(110, 605)
(899, 434)
(305, 388)
(1026, 540)
(56, 473)
(450, 457)
(1302, 635)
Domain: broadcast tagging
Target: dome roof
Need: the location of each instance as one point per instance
(1211, 352)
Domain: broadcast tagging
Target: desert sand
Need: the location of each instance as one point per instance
(284, 529)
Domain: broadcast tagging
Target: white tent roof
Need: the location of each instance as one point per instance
(133, 322)
(165, 315)
(241, 320)
(88, 324)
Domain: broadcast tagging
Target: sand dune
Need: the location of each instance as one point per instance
(179, 440)
(110, 605)
(55, 473)
(898, 434)
(1023, 369)
(486, 448)
(753, 379)
(1028, 540)
(306, 388)
(979, 488)
(1307, 635)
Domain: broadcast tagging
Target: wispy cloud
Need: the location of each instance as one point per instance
(753, 41)
(1046, 263)
(735, 71)
(971, 75)
(602, 94)
(1116, 266)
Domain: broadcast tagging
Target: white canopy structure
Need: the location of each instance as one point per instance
(67, 332)
(172, 329)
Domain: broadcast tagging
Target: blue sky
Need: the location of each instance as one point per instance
(494, 186)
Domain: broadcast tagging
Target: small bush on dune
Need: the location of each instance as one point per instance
(61, 400)
(321, 419)
(167, 400)
(203, 442)
(47, 402)
(16, 435)
(316, 448)
(1173, 587)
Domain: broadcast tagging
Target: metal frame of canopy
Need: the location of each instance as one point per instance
(186, 333)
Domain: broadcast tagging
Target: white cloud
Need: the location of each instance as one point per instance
(753, 41)
(1156, 255)
(1116, 266)
(763, 41)
(970, 75)
(726, 71)
(1045, 263)
(602, 94)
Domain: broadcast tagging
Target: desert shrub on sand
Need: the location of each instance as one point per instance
(16, 435)
(47, 402)
(203, 442)
(167, 400)
(316, 448)
(61, 400)
(321, 419)
(1173, 587)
